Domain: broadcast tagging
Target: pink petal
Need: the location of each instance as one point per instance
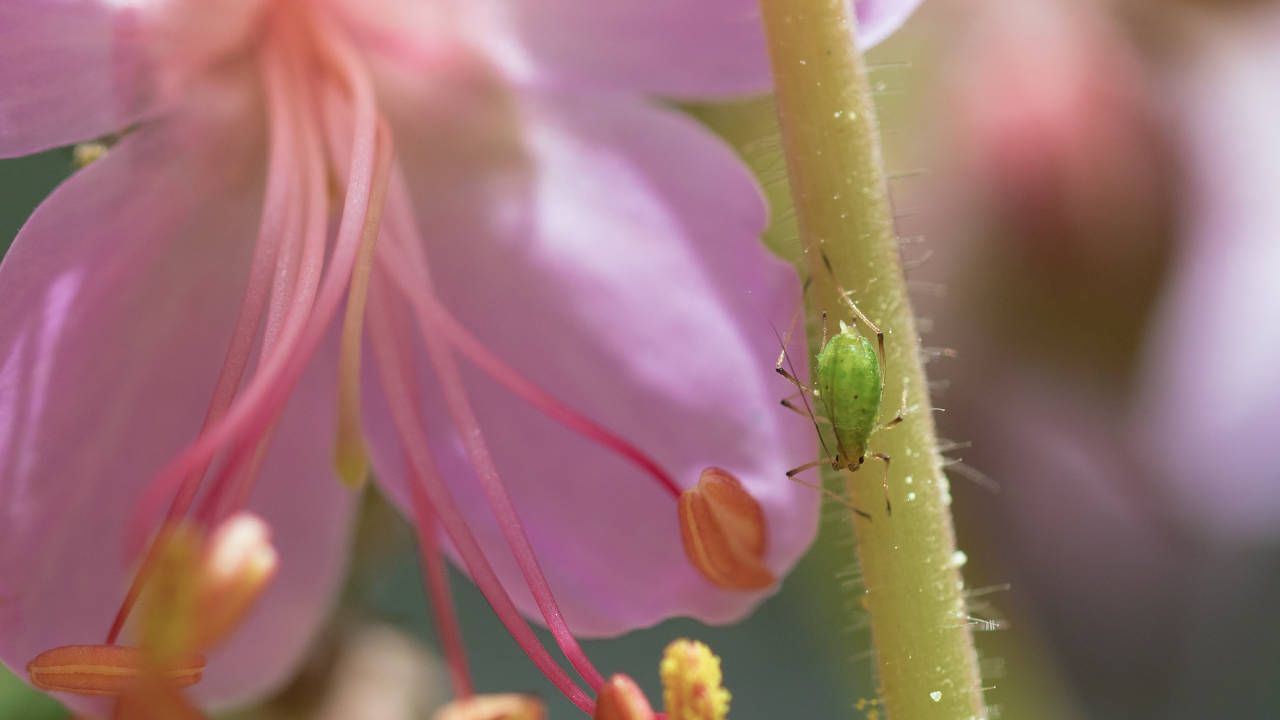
(1210, 406)
(116, 304)
(709, 48)
(69, 70)
(621, 269)
(74, 70)
(675, 48)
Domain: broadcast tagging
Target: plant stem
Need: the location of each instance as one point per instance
(927, 665)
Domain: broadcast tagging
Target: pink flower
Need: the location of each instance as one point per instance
(486, 179)
(1207, 411)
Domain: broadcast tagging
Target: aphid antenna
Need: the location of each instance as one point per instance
(904, 240)
(890, 65)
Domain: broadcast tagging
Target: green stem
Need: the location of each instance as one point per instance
(919, 624)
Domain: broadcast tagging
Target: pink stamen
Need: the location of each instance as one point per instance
(393, 370)
(277, 217)
(296, 280)
(272, 384)
(475, 351)
(436, 581)
(421, 297)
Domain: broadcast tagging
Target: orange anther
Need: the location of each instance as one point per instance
(104, 669)
(622, 699)
(494, 707)
(724, 534)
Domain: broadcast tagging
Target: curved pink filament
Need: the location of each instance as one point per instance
(475, 351)
(272, 384)
(437, 587)
(393, 370)
(278, 221)
(420, 295)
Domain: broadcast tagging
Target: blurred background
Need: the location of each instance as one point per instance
(1087, 197)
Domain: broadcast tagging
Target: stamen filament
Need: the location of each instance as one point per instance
(475, 351)
(296, 283)
(270, 388)
(278, 217)
(426, 485)
(421, 297)
(436, 581)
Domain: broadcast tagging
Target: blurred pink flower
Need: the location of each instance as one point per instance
(1055, 134)
(490, 179)
(1207, 415)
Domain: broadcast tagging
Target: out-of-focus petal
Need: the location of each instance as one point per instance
(622, 271)
(116, 305)
(1209, 409)
(73, 70)
(69, 70)
(674, 48)
(712, 48)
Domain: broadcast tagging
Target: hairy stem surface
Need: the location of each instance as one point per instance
(924, 650)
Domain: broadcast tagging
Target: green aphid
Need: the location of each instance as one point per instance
(848, 385)
(848, 389)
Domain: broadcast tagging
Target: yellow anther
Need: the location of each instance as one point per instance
(691, 682)
(239, 562)
(494, 707)
(106, 669)
(622, 699)
(723, 531)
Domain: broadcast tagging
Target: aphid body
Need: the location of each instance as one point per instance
(848, 385)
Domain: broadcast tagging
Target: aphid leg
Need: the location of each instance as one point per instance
(897, 419)
(793, 472)
(786, 403)
(789, 372)
(784, 341)
(858, 314)
(802, 410)
(853, 308)
(884, 481)
(835, 496)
